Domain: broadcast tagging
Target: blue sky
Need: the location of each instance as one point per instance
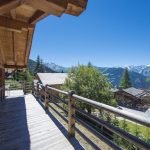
(108, 33)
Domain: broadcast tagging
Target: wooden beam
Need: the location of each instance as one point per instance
(7, 5)
(2, 56)
(1, 65)
(13, 13)
(61, 3)
(38, 15)
(48, 6)
(13, 45)
(76, 7)
(29, 44)
(14, 66)
(12, 25)
(79, 3)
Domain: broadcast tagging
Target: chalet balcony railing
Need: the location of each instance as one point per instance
(51, 95)
(19, 85)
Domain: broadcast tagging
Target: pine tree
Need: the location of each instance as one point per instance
(125, 80)
(41, 66)
(37, 67)
(89, 64)
(28, 76)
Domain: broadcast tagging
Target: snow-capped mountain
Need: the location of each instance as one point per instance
(139, 74)
(55, 67)
(143, 69)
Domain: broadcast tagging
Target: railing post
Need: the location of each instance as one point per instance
(71, 114)
(24, 87)
(32, 88)
(3, 93)
(46, 97)
(37, 94)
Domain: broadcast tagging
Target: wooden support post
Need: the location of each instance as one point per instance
(46, 97)
(71, 113)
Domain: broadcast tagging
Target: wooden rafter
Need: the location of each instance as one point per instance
(17, 22)
(47, 6)
(13, 45)
(12, 25)
(29, 44)
(76, 7)
(7, 5)
(38, 15)
(13, 13)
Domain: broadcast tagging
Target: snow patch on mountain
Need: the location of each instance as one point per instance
(142, 69)
(55, 67)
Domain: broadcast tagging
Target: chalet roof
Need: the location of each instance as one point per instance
(52, 78)
(17, 24)
(135, 92)
(138, 93)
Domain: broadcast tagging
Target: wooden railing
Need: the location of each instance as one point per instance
(19, 85)
(50, 95)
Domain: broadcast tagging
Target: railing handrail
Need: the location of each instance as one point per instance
(122, 113)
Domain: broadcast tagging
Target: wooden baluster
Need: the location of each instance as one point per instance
(24, 87)
(32, 88)
(71, 113)
(38, 91)
(46, 97)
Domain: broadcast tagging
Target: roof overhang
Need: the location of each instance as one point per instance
(18, 19)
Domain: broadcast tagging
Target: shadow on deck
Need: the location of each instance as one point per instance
(24, 125)
(74, 142)
(14, 133)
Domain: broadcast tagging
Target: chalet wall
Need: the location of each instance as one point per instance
(127, 100)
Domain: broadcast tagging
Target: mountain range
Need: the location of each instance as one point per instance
(140, 75)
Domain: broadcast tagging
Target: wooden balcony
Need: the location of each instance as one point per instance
(24, 124)
(29, 122)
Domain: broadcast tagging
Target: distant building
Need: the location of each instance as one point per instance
(54, 80)
(133, 98)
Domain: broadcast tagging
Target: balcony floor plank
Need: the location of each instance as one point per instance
(24, 125)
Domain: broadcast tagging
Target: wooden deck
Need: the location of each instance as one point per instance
(25, 125)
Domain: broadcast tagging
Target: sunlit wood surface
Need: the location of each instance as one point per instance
(25, 125)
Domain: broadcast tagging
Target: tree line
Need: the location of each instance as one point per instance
(28, 74)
